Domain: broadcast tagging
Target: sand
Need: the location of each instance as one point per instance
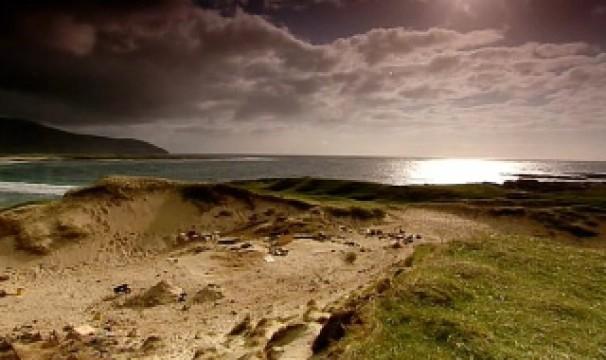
(215, 293)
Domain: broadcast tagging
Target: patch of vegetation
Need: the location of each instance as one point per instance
(366, 191)
(577, 209)
(504, 297)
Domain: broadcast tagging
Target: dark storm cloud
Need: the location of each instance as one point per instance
(141, 62)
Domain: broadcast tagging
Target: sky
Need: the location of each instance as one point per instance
(435, 78)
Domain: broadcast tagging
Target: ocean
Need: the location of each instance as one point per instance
(22, 181)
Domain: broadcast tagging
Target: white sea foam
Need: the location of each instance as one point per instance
(28, 188)
(13, 162)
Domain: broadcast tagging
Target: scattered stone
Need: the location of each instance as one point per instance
(396, 245)
(2, 293)
(82, 332)
(246, 245)
(277, 251)
(193, 235)
(210, 293)
(418, 236)
(206, 237)
(269, 259)
(181, 238)
(122, 289)
(4, 277)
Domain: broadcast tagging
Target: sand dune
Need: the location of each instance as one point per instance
(213, 271)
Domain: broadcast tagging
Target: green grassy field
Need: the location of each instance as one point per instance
(503, 297)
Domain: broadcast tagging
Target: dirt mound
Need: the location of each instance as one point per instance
(163, 293)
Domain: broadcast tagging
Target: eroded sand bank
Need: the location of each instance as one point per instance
(215, 272)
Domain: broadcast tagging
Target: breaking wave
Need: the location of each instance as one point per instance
(29, 188)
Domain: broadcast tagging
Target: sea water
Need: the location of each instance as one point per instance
(22, 181)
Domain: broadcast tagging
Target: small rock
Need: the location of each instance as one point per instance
(4, 277)
(83, 331)
(2, 293)
(122, 289)
(277, 251)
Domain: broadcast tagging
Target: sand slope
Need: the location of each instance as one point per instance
(223, 296)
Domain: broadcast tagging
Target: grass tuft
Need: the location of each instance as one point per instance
(502, 297)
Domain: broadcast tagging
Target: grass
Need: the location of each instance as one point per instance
(327, 189)
(572, 208)
(503, 297)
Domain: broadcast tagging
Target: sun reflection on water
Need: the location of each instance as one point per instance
(460, 171)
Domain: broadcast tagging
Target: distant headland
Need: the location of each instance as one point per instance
(20, 136)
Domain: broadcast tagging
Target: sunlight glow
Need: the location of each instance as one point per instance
(459, 171)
